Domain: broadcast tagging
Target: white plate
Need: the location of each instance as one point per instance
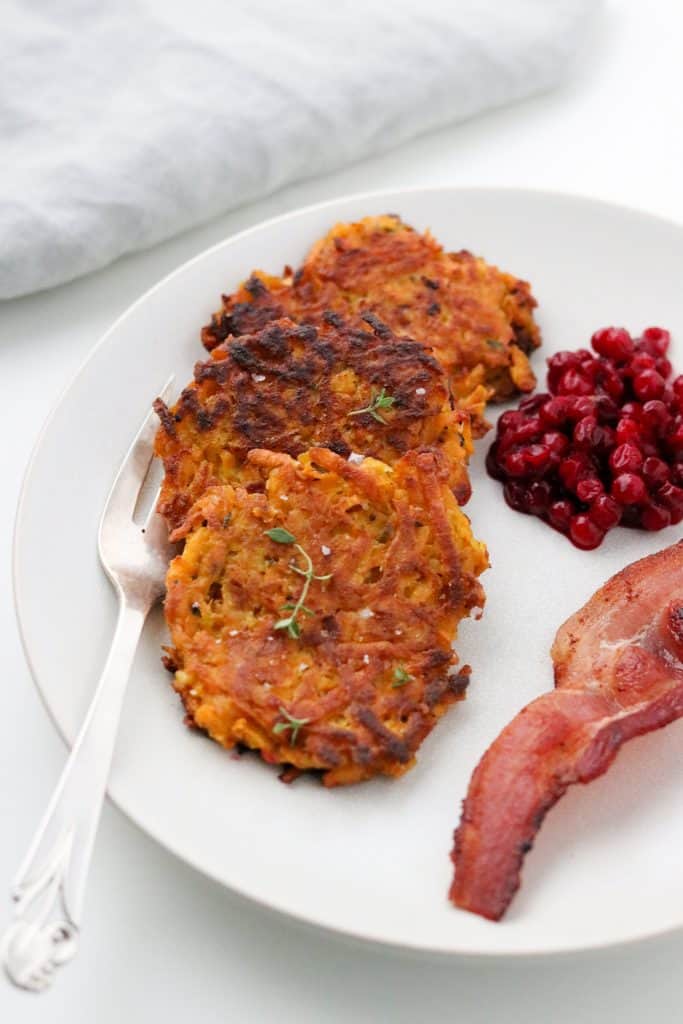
(373, 860)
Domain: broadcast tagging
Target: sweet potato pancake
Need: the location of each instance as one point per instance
(477, 319)
(289, 387)
(313, 620)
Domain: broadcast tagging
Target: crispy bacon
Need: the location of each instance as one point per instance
(618, 673)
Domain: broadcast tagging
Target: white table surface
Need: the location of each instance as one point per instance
(161, 942)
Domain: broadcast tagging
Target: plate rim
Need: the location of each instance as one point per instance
(364, 938)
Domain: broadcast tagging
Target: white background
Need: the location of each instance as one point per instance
(162, 942)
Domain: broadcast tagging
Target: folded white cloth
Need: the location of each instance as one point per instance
(123, 122)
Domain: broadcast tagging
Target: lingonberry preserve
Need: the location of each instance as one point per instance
(603, 446)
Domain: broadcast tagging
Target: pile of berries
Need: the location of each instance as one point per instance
(604, 446)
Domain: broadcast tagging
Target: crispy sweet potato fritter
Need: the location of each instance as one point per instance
(477, 319)
(289, 387)
(372, 669)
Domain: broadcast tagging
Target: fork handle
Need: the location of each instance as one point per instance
(49, 888)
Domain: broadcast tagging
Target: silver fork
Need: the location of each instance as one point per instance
(49, 888)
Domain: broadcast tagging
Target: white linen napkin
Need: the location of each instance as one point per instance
(123, 122)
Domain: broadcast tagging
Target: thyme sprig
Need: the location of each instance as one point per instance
(295, 724)
(381, 400)
(290, 623)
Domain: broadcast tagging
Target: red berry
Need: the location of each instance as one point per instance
(579, 406)
(672, 497)
(627, 431)
(654, 517)
(656, 339)
(514, 463)
(677, 386)
(515, 496)
(527, 431)
(641, 361)
(574, 383)
(614, 342)
(605, 512)
(583, 432)
(626, 458)
(675, 440)
(655, 415)
(603, 439)
(576, 466)
(607, 409)
(538, 496)
(648, 384)
(493, 467)
(655, 471)
(630, 516)
(664, 367)
(610, 381)
(536, 457)
(555, 442)
(560, 514)
(532, 403)
(554, 412)
(510, 420)
(632, 409)
(588, 489)
(558, 365)
(584, 533)
(589, 365)
(628, 489)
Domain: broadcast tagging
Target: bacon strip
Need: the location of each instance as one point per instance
(618, 673)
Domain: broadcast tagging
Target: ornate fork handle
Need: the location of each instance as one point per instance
(49, 888)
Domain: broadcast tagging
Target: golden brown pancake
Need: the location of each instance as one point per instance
(288, 387)
(477, 319)
(312, 620)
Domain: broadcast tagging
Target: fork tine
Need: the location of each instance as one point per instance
(125, 489)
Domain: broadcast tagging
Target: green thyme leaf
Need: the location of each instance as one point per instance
(291, 624)
(292, 723)
(280, 535)
(492, 343)
(377, 401)
(401, 677)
